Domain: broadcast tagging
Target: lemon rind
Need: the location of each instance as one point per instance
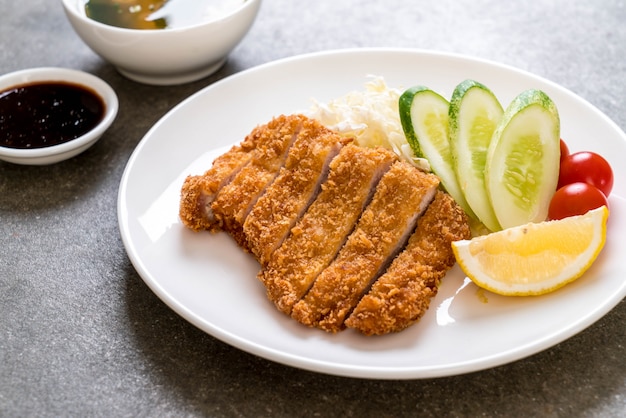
(566, 276)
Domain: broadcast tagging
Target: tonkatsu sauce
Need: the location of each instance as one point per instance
(42, 114)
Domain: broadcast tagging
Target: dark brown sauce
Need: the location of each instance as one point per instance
(40, 115)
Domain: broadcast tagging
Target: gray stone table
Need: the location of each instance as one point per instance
(81, 335)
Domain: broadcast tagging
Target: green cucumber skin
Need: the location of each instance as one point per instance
(471, 177)
(457, 95)
(500, 191)
(405, 101)
(448, 178)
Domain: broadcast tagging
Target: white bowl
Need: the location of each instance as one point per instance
(60, 152)
(165, 56)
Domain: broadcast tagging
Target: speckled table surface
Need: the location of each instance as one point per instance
(82, 335)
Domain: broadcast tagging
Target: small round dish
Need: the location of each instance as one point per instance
(166, 56)
(55, 153)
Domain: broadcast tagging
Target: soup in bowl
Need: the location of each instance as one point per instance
(162, 42)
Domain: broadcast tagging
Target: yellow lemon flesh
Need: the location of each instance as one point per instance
(534, 258)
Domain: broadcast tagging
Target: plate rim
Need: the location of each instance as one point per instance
(327, 367)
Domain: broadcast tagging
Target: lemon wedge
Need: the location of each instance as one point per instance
(535, 258)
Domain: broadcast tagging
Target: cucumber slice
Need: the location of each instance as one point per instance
(474, 113)
(425, 121)
(522, 166)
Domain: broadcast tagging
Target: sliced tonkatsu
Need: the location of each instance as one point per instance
(401, 296)
(198, 192)
(318, 236)
(346, 236)
(295, 187)
(401, 196)
(235, 200)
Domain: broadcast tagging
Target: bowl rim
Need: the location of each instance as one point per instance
(56, 74)
(71, 7)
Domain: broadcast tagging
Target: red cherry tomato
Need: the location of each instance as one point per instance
(586, 167)
(575, 199)
(564, 150)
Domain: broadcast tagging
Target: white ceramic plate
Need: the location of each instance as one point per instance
(211, 283)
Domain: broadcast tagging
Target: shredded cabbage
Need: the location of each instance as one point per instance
(371, 116)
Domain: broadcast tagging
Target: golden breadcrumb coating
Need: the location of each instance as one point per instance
(234, 201)
(319, 234)
(402, 194)
(295, 187)
(401, 296)
(346, 236)
(198, 192)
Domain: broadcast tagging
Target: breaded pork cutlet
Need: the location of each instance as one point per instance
(401, 196)
(401, 296)
(235, 200)
(198, 192)
(319, 234)
(293, 190)
(333, 225)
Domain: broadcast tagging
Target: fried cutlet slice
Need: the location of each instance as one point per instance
(234, 201)
(198, 192)
(293, 190)
(401, 296)
(402, 195)
(319, 234)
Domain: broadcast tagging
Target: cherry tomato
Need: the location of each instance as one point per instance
(564, 150)
(575, 199)
(586, 167)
